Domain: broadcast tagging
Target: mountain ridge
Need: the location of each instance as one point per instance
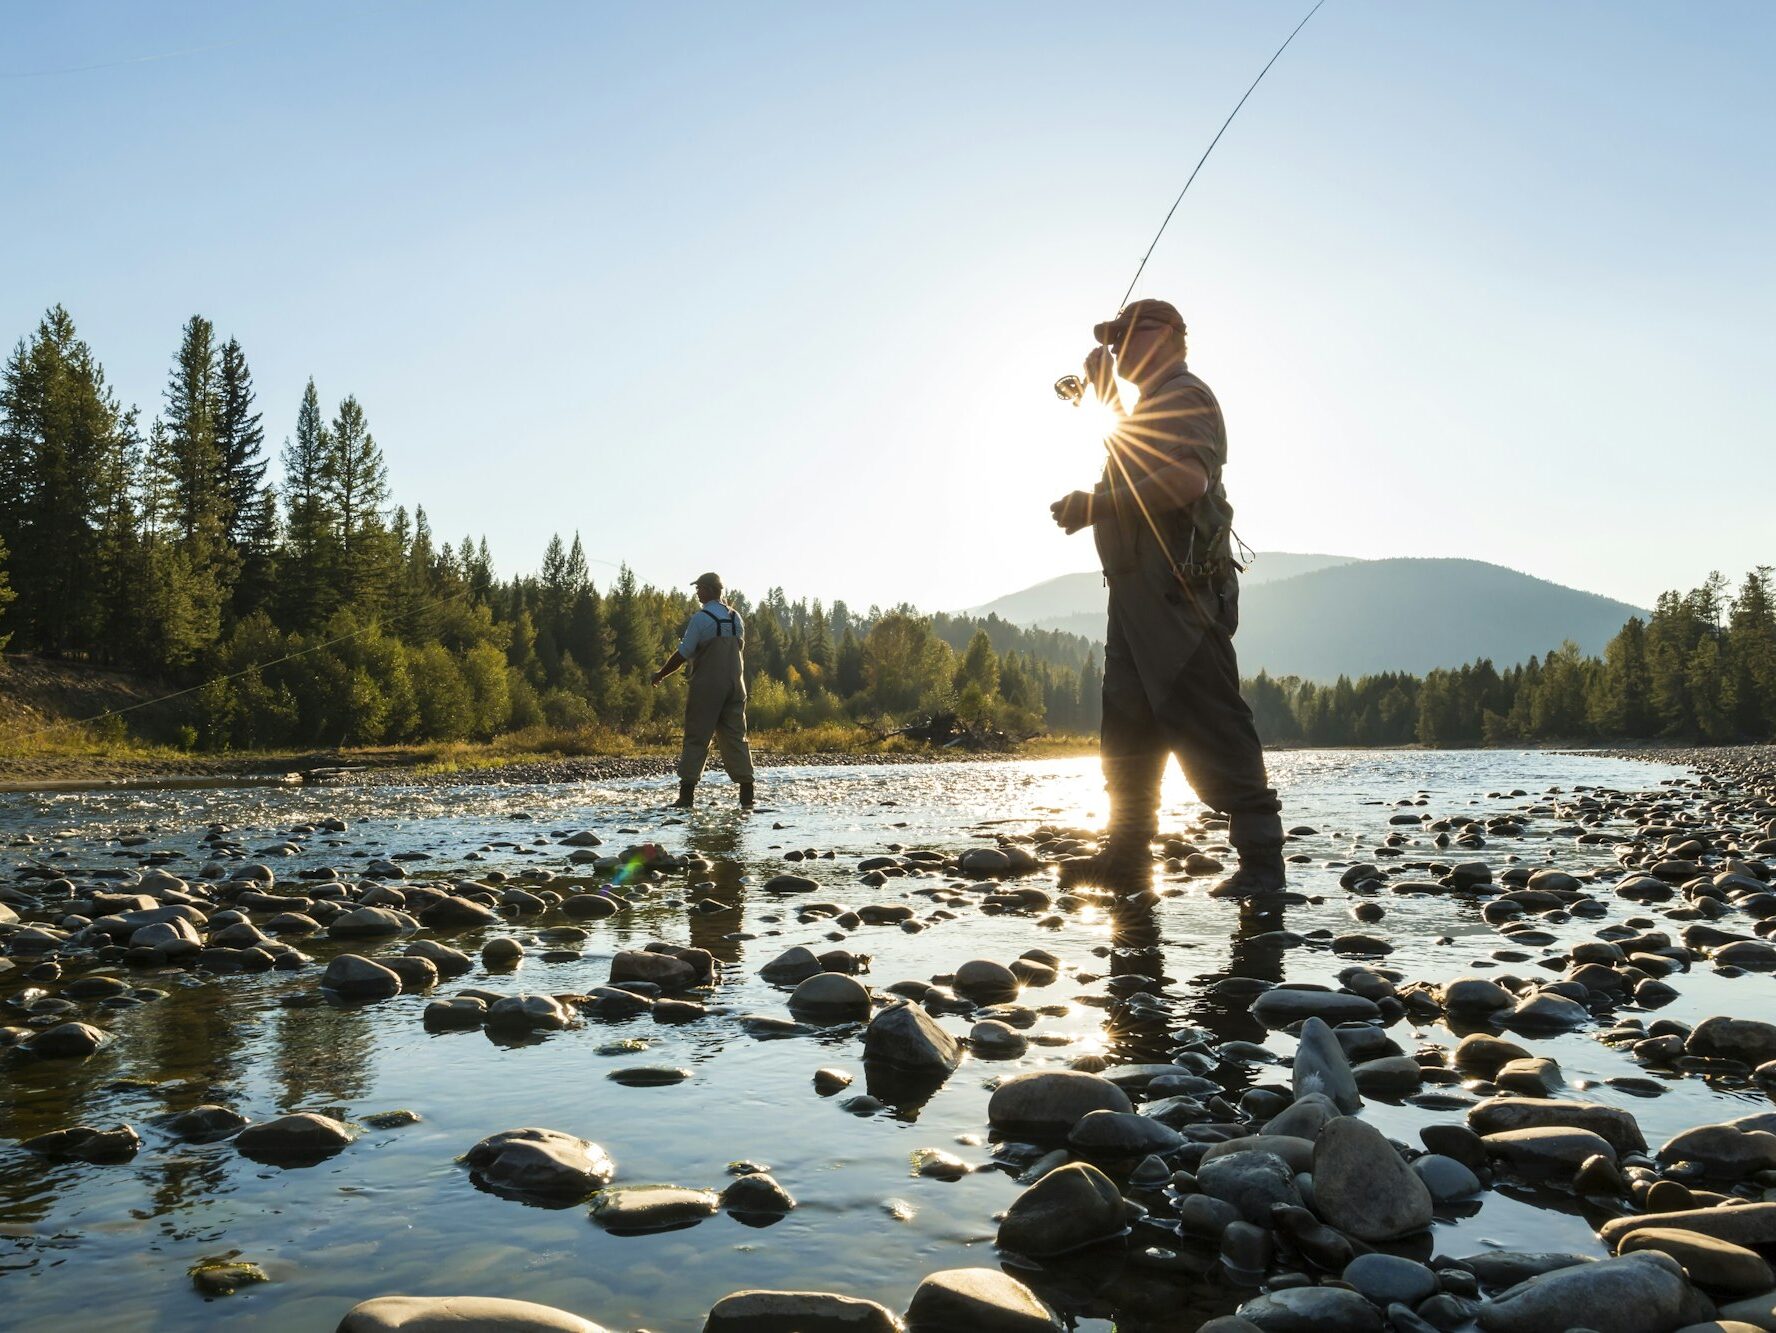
(1349, 616)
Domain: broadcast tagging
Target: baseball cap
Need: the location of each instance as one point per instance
(1159, 312)
(708, 581)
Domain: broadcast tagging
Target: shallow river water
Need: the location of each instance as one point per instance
(110, 1245)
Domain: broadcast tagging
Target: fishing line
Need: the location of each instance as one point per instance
(1211, 148)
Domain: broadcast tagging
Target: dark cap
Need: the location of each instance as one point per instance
(708, 581)
(1159, 312)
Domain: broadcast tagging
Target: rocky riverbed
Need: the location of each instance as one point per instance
(555, 1058)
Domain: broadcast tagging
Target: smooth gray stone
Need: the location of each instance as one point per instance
(1362, 1185)
(1387, 1278)
(1070, 1208)
(1321, 1067)
(1251, 1182)
(436, 1314)
(1312, 1310)
(1447, 1179)
(1645, 1292)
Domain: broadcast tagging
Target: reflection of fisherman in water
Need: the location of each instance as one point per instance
(718, 842)
(1140, 1032)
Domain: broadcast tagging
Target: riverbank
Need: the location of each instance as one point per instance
(569, 757)
(1481, 1041)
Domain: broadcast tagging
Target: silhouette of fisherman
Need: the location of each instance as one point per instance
(1164, 533)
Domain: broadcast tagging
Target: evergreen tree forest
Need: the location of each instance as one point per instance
(304, 606)
(311, 609)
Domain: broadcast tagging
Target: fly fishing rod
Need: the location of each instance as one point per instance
(1070, 388)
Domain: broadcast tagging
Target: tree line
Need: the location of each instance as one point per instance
(313, 611)
(1701, 667)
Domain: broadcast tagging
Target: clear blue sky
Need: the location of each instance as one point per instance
(780, 289)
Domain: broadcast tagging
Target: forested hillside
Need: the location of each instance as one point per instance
(313, 609)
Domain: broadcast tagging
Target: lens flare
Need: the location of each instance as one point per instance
(1097, 420)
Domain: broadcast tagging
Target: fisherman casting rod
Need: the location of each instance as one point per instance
(1070, 388)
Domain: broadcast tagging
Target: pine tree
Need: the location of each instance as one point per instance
(240, 444)
(310, 556)
(62, 440)
(355, 482)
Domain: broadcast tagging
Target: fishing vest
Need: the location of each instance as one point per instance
(1176, 417)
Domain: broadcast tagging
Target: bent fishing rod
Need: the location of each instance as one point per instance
(1070, 388)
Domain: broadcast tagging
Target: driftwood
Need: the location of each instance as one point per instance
(946, 731)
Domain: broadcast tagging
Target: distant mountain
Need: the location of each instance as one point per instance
(1353, 617)
(1073, 596)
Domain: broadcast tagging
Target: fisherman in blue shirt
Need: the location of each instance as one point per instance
(712, 649)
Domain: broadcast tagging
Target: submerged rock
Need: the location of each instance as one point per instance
(540, 1163)
(460, 1314)
(634, 1209)
(1070, 1208)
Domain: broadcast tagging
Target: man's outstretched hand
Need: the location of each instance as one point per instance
(1073, 512)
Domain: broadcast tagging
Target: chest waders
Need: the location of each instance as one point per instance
(716, 710)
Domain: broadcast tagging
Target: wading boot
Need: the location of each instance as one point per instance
(746, 796)
(1259, 841)
(687, 796)
(1124, 863)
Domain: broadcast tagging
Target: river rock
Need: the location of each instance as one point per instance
(802, 1311)
(1387, 1278)
(67, 1041)
(792, 965)
(299, 1139)
(831, 997)
(460, 1314)
(1362, 1186)
(208, 1123)
(85, 1144)
(1283, 1005)
(903, 1036)
(1312, 1310)
(1476, 995)
(633, 1209)
(1253, 1182)
(456, 913)
(1321, 1066)
(1485, 1054)
(1499, 1114)
(1447, 1179)
(977, 1300)
(1719, 1265)
(1723, 1151)
(1548, 1149)
(986, 982)
(1752, 1224)
(756, 1195)
(1068, 1209)
(1636, 1293)
(662, 969)
(537, 1013)
(540, 1163)
(1121, 1134)
(357, 978)
(1048, 1103)
(369, 923)
(1749, 1040)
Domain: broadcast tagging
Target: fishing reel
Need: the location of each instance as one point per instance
(1070, 389)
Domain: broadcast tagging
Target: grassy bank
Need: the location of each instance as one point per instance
(97, 754)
